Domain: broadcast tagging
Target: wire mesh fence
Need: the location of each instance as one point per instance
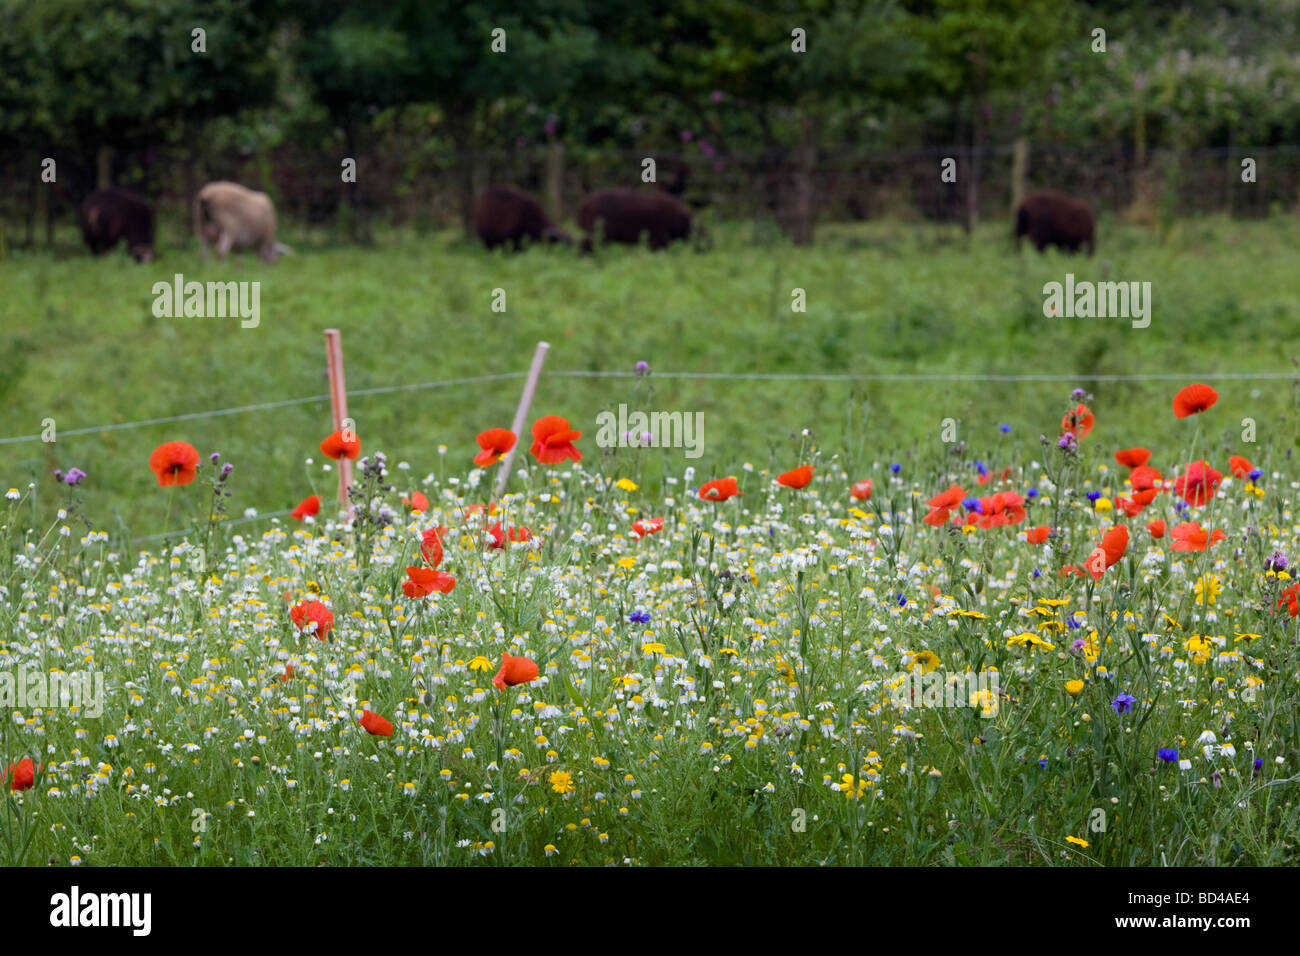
(423, 187)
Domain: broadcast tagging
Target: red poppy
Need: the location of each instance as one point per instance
(517, 533)
(1157, 528)
(1190, 536)
(1198, 483)
(1144, 477)
(553, 440)
(431, 545)
(175, 463)
(1133, 457)
(496, 444)
(1193, 400)
(287, 675)
(720, 489)
(948, 499)
(1078, 422)
(1006, 507)
(861, 491)
(1115, 542)
(309, 612)
(798, 478)
(375, 724)
(1291, 598)
(1240, 467)
(416, 501)
(341, 445)
(645, 526)
(1094, 566)
(308, 507)
(21, 775)
(1145, 496)
(1038, 535)
(514, 670)
(424, 581)
(937, 516)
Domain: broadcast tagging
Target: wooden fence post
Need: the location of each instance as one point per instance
(339, 407)
(521, 414)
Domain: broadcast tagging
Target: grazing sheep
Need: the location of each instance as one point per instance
(110, 215)
(1050, 218)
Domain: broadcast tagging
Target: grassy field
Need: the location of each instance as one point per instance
(79, 344)
(732, 689)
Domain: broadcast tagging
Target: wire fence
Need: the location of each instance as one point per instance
(588, 373)
(707, 376)
(403, 183)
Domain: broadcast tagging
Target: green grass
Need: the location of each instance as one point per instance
(78, 344)
(779, 608)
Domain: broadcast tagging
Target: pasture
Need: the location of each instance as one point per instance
(82, 346)
(723, 691)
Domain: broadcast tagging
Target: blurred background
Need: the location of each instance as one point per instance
(1017, 91)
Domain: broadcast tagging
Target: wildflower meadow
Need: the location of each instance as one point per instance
(1065, 651)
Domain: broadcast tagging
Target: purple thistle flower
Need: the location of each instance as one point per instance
(642, 368)
(1277, 562)
(74, 476)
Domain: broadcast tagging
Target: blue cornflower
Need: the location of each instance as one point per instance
(1123, 703)
(1093, 495)
(1031, 493)
(1037, 573)
(1259, 763)
(972, 504)
(902, 600)
(1005, 429)
(1073, 622)
(981, 468)
(895, 468)
(1255, 474)
(639, 617)
(1167, 754)
(1042, 762)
